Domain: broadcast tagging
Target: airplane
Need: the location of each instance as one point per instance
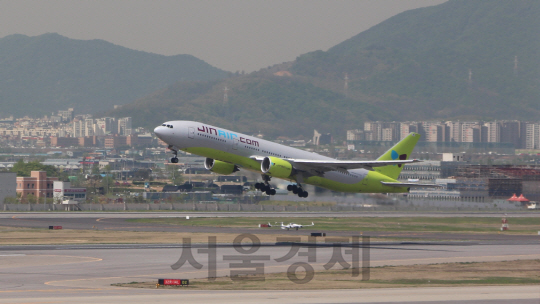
(227, 151)
(294, 226)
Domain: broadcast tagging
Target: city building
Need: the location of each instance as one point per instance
(454, 130)
(321, 139)
(67, 115)
(64, 141)
(512, 132)
(522, 135)
(532, 136)
(112, 142)
(355, 134)
(493, 132)
(124, 126)
(406, 128)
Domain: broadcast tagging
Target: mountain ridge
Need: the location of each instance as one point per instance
(423, 75)
(50, 72)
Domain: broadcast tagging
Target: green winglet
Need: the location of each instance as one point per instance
(400, 151)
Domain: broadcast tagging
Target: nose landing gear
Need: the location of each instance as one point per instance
(174, 159)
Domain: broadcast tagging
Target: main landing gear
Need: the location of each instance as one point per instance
(265, 187)
(174, 159)
(297, 189)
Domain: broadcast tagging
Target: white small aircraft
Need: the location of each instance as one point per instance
(294, 226)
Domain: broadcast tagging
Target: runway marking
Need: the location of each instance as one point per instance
(108, 228)
(40, 302)
(51, 283)
(59, 263)
(99, 219)
(465, 257)
(70, 256)
(51, 290)
(131, 276)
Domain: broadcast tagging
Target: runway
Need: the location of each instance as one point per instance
(83, 273)
(116, 221)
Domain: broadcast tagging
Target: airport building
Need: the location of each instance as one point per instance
(464, 181)
(38, 185)
(63, 191)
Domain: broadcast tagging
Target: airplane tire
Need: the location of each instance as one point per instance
(289, 187)
(303, 194)
(174, 160)
(295, 191)
(259, 186)
(271, 192)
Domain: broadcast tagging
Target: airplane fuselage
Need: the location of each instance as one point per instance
(241, 149)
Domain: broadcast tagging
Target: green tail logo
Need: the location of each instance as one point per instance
(400, 151)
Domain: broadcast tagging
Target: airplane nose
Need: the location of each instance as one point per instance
(158, 131)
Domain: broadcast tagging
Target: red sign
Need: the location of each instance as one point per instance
(173, 282)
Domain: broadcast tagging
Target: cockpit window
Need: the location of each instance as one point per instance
(164, 125)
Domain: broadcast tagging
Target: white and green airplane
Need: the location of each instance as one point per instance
(227, 151)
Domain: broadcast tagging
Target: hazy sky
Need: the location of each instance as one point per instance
(233, 35)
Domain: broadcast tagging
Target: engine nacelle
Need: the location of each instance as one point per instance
(276, 167)
(220, 167)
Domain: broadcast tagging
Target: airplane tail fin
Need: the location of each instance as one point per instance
(400, 151)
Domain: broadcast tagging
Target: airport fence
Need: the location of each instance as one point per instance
(410, 205)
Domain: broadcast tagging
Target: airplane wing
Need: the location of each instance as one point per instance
(337, 165)
(322, 166)
(410, 185)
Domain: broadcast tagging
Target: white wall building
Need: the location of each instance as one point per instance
(63, 191)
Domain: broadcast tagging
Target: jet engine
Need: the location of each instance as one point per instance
(276, 167)
(219, 166)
